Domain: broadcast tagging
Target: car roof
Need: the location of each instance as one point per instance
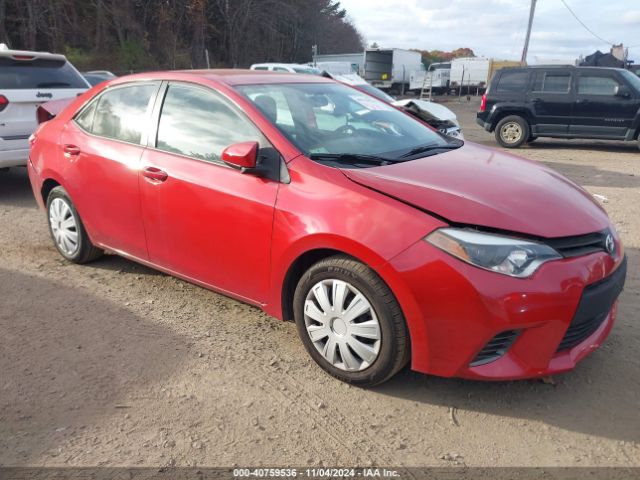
(229, 77)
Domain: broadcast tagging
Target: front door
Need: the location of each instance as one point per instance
(205, 220)
(598, 112)
(551, 99)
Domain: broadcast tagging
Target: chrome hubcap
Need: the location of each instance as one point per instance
(63, 226)
(342, 325)
(511, 132)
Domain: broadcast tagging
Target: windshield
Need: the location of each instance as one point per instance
(39, 73)
(634, 80)
(307, 70)
(376, 92)
(329, 118)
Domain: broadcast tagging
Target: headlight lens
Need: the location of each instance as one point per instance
(510, 256)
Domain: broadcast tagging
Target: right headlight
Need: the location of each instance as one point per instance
(510, 256)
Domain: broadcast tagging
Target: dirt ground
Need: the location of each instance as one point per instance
(116, 364)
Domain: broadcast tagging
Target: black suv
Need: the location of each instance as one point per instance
(525, 103)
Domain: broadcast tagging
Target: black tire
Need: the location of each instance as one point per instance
(84, 251)
(394, 346)
(512, 131)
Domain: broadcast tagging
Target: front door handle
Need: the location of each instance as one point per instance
(155, 174)
(582, 100)
(71, 151)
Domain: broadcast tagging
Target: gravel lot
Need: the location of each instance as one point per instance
(116, 364)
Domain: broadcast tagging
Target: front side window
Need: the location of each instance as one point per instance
(330, 118)
(120, 113)
(596, 85)
(513, 81)
(196, 122)
(551, 82)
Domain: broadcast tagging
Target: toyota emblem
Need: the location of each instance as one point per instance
(610, 245)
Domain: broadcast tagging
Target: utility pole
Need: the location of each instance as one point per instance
(526, 40)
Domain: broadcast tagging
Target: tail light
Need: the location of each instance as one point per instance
(42, 115)
(4, 101)
(483, 103)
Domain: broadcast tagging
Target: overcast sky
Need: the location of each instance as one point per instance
(496, 28)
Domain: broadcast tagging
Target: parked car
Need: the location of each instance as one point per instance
(436, 115)
(28, 79)
(384, 240)
(523, 104)
(286, 67)
(98, 76)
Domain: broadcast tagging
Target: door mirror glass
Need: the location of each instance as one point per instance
(241, 155)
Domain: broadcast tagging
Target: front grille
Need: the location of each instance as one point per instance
(495, 348)
(595, 304)
(580, 244)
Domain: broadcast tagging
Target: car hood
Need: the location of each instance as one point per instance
(480, 186)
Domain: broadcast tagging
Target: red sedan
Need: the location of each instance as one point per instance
(384, 240)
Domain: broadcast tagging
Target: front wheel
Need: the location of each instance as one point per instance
(67, 230)
(350, 322)
(512, 131)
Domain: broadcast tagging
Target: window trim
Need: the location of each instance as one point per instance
(152, 139)
(145, 131)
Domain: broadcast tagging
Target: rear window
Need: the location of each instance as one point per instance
(513, 81)
(34, 74)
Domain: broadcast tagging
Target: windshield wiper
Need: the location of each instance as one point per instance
(353, 158)
(432, 147)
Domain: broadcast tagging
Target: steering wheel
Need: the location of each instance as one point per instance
(346, 130)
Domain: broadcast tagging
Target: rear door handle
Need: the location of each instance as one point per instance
(155, 174)
(71, 151)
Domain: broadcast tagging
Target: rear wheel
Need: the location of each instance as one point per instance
(67, 231)
(350, 322)
(512, 131)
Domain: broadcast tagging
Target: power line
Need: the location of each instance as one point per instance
(586, 28)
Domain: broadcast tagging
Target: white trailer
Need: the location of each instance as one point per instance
(473, 74)
(390, 68)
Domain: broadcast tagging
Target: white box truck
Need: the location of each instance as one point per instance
(390, 68)
(436, 78)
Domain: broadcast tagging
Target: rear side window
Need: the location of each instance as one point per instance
(552, 82)
(197, 123)
(596, 85)
(35, 74)
(120, 114)
(513, 81)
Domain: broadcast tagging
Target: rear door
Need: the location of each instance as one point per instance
(551, 98)
(101, 150)
(25, 83)
(598, 112)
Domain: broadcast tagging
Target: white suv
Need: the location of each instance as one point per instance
(28, 79)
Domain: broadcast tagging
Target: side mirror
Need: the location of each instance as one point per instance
(242, 156)
(622, 91)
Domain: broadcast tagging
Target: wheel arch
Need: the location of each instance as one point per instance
(48, 185)
(507, 111)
